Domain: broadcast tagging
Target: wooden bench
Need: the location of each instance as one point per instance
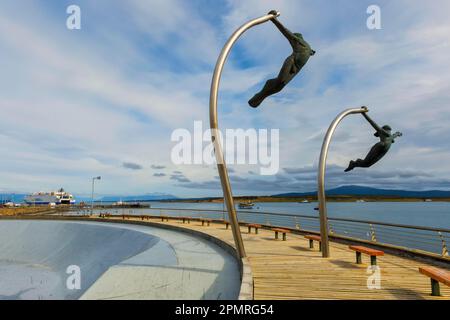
(436, 275)
(208, 221)
(227, 224)
(166, 218)
(371, 252)
(283, 231)
(313, 238)
(186, 219)
(255, 226)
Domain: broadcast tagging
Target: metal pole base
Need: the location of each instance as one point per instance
(358, 258)
(435, 289)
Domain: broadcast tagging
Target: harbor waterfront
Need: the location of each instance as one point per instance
(425, 214)
(419, 225)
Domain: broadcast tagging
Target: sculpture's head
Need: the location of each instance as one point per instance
(386, 128)
(298, 35)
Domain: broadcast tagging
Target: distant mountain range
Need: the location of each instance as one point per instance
(350, 190)
(16, 197)
(353, 190)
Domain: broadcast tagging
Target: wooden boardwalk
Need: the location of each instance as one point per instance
(291, 270)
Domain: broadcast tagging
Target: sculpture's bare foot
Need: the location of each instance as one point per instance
(255, 101)
(351, 166)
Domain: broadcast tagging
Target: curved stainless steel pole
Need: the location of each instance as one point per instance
(321, 178)
(221, 166)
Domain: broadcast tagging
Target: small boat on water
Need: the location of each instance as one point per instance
(304, 201)
(360, 200)
(246, 205)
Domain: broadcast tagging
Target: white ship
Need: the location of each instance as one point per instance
(54, 197)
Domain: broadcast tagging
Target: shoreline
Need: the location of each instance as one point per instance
(310, 199)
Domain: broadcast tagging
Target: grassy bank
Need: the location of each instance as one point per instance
(23, 210)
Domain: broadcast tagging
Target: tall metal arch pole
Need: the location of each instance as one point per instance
(215, 136)
(321, 177)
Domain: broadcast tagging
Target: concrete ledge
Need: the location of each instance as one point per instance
(246, 289)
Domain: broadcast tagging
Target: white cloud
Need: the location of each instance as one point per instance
(79, 104)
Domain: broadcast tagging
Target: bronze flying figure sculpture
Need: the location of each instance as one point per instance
(379, 149)
(291, 66)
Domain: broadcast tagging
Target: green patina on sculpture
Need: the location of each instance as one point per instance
(379, 149)
(291, 66)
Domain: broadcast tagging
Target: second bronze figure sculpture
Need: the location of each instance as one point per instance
(291, 66)
(378, 150)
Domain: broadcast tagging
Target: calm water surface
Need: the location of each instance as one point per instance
(430, 214)
(421, 214)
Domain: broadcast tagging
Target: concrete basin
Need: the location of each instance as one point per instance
(116, 261)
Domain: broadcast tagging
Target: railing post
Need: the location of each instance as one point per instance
(372, 233)
(321, 178)
(297, 223)
(444, 245)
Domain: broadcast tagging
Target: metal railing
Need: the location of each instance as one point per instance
(433, 240)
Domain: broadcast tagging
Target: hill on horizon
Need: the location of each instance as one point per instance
(355, 190)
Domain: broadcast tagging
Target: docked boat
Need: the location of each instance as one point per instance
(246, 205)
(118, 203)
(126, 204)
(46, 198)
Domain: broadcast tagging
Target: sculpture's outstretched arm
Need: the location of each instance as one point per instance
(372, 123)
(288, 34)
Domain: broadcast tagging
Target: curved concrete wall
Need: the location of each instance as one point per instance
(116, 262)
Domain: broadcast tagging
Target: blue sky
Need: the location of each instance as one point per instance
(81, 103)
